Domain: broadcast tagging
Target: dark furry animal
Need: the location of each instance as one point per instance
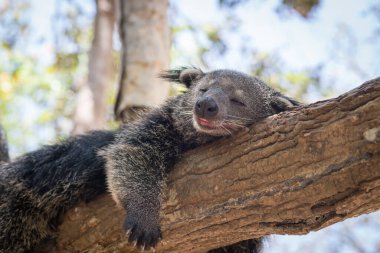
(37, 188)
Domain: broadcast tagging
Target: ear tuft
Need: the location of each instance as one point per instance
(184, 75)
(283, 103)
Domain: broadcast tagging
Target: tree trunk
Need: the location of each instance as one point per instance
(144, 34)
(91, 111)
(291, 173)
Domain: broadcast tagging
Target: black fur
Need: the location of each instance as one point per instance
(247, 246)
(38, 187)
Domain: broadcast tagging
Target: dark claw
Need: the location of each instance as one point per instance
(154, 242)
(147, 242)
(140, 240)
(133, 237)
(141, 235)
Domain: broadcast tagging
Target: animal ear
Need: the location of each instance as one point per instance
(183, 75)
(188, 75)
(283, 103)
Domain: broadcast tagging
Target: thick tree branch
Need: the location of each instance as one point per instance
(289, 174)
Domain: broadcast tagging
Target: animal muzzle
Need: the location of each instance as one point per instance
(206, 108)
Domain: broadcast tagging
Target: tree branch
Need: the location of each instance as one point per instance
(291, 173)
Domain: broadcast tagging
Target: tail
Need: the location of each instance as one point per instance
(38, 187)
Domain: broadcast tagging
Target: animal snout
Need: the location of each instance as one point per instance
(206, 107)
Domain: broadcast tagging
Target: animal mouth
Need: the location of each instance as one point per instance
(205, 123)
(213, 127)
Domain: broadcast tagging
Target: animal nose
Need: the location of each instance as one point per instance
(206, 107)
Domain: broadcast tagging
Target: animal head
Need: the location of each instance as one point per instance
(224, 101)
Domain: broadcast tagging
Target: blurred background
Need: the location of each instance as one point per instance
(70, 66)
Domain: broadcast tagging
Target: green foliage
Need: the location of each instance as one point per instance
(13, 22)
(36, 94)
(26, 88)
(294, 83)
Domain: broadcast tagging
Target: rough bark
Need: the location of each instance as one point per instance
(91, 110)
(291, 173)
(145, 37)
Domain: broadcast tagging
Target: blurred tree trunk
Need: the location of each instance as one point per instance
(144, 35)
(91, 111)
(4, 5)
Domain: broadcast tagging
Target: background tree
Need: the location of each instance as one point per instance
(91, 110)
(145, 39)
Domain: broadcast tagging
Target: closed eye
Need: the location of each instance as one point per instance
(237, 102)
(203, 90)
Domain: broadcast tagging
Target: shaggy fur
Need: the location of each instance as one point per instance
(37, 188)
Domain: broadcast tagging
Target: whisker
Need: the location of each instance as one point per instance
(235, 124)
(226, 129)
(186, 121)
(238, 117)
(186, 117)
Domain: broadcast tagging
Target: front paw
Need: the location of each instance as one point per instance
(142, 232)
